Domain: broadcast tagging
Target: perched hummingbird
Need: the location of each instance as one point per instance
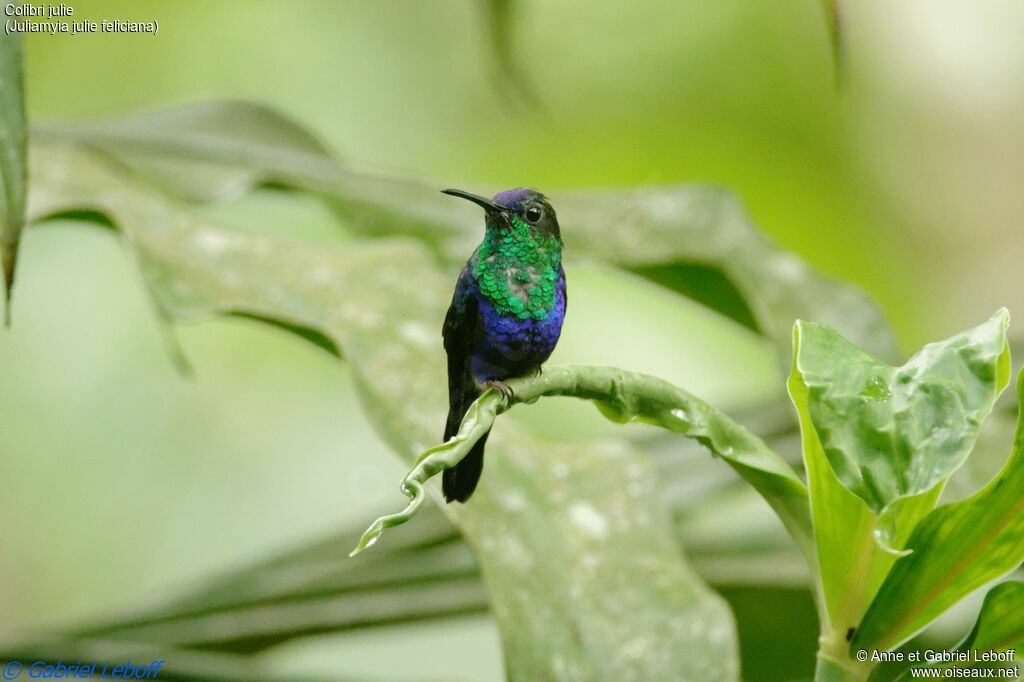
(506, 314)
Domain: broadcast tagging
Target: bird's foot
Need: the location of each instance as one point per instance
(501, 387)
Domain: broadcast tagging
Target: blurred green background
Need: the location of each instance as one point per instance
(124, 482)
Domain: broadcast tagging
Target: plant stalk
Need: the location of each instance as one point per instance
(622, 397)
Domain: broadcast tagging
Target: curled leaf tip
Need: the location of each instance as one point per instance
(477, 422)
(368, 538)
(413, 489)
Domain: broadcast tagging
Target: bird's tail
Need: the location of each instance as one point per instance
(459, 482)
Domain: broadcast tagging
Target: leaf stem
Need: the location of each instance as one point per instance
(478, 421)
(623, 397)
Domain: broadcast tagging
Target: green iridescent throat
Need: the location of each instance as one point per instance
(517, 270)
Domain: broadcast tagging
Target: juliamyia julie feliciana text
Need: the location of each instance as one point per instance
(57, 18)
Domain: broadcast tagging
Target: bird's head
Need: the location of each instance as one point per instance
(521, 204)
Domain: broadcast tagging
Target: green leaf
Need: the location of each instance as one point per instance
(666, 234)
(1000, 625)
(210, 151)
(425, 570)
(895, 432)
(955, 549)
(610, 593)
(13, 153)
(879, 443)
(849, 564)
(649, 230)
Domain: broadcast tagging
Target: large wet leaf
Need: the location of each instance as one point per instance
(695, 239)
(850, 565)
(576, 549)
(13, 156)
(879, 442)
(955, 549)
(894, 432)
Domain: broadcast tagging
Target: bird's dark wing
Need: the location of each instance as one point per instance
(461, 332)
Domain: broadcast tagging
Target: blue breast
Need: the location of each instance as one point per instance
(511, 346)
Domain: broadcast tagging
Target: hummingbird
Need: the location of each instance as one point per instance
(506, 314)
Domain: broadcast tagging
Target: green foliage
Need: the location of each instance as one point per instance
(375, 302)
(229, 147)
(425, 571)
(931, 407)
(1000, 624)
(623, 397)
(211, 151)
(855, 411)
(879, 443)
(379, 301)
(956, 549)
(612, 510)
(896, 432)
(666, 234)
(13, 153)
(476, 423)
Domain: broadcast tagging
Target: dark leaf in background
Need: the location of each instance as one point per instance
(650, 231)
(13, 157)
(833, 10)
(510, 78)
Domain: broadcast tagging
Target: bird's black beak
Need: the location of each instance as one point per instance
(487, 204)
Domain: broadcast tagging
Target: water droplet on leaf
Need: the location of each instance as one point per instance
(876, 389)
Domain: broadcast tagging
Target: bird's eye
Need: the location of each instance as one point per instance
(533, 215)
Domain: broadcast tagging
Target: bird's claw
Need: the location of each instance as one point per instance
(501, 387)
